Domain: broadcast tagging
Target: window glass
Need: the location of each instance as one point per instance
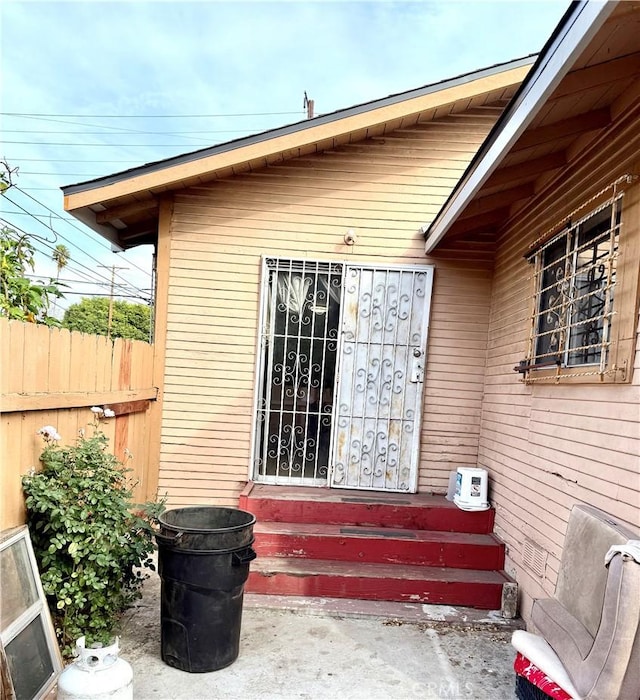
(29, 660)
(590, 302)
(552, 307)
(19, 591)
(576, 277)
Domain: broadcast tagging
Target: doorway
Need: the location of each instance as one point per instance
(341, 364)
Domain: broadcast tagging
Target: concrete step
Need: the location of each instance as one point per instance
(416, 511)
(413, 584)
(378, 545)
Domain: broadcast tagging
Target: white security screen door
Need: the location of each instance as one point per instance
(385, 315)
(357, 427)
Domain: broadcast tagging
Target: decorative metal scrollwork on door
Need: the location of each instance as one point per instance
(299, 345)
(381, 372)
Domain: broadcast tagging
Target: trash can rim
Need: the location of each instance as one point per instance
(194, 530)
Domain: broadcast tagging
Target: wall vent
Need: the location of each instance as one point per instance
(534, 558)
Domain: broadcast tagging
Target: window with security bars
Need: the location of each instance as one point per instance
(575, 273)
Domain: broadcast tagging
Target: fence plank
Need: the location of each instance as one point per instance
(13, 334)
(59, 361)
(52, 377)
(76, 374)
(5, 358)
(124, 374)
(104, 349)
(73, 399)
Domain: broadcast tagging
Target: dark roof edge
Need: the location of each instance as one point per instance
(557, 37)
(297, 126)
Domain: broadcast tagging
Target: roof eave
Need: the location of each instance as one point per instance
(284, 138)
(578, 27)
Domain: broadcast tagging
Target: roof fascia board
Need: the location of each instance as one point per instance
(287, 138)
(551, 67)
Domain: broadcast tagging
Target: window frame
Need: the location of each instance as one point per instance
(37, 610)
(617, 365)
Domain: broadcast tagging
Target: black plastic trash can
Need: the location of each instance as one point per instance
(204, 554)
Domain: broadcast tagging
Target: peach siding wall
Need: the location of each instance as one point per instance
(384, 189)
(549, 446)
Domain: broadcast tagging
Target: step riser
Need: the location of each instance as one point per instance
(479, 595)
(370, 515)
(382, 551)
(313, 548)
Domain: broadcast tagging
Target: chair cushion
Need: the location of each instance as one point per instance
(612, 668)
(582, 576)
(567, 635)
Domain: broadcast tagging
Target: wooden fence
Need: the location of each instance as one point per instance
(53, 377)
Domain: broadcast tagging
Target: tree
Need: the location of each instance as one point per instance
(61, 256)
(91, 316)
(21, 298)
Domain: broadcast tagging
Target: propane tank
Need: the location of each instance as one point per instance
(97, 674)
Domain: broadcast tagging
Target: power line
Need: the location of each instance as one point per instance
(74, 266)
(87, 175)
(148, 116)
(26, 211)
(35, 240)
(100, 145)
(89, 293)
(39, 216)
(67, 280)
(133, 132)
(124, 130)
(65, 160)
(104, 127)
(84, 252)
(146, 300)
(75, 226)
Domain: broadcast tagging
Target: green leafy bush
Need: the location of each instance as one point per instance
(21, 298)
(90, 540)
(92, 316)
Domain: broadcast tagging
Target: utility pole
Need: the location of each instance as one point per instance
(113, 269)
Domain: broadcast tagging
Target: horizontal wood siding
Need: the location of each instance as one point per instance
(549, 446)
(384, 189)
(52, 377)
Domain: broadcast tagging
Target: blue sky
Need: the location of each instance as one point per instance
(91, 88)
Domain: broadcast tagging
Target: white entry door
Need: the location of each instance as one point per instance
(384, 323)
(340, 374)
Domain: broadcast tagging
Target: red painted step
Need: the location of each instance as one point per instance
(378, 545)
(415, 511)
(322, 542)
(435, 585)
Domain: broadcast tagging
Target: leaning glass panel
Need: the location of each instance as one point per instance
(29, 660)
(19, 590)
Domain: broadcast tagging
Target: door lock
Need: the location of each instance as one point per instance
(417, 368)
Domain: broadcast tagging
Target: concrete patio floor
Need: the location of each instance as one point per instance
(334, 649)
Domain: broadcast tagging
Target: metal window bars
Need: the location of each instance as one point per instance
(574, 283)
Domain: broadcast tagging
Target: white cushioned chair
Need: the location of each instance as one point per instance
(590, 634)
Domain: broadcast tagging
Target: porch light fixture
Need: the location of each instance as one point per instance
(350, 237)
